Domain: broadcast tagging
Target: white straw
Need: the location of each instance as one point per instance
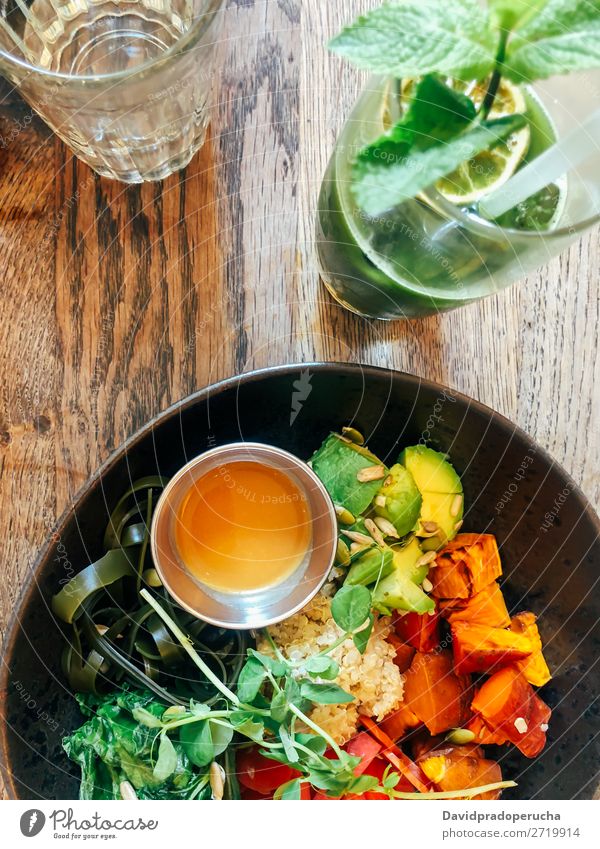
(563, 156)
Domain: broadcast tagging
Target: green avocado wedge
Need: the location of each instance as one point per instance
(399, 500)
(375, 564)
(400, 590)
(441, 490)
(337, 463)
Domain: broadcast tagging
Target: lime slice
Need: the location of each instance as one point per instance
(490, 168)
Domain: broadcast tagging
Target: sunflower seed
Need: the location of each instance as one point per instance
(345, 516)
(370, 473)
(458, 525)
(356, 536)
(374, 531)
(426, 558)
(386, 527)
(387, 481)
(460, 736)
(427, 585)
(102, 629)
(456, 506)
(342, 553)
(353, 435)
(379, 501)
(521, 725)
(217, 781)
(126, 791)
(430, 527)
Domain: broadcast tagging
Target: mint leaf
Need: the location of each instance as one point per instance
(564, 36)
(435, 137)
(511, 13)
(416, 37)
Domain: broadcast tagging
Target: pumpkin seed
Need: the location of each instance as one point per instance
(374, 531)
(370, 473)
(151, 577)
(355, 547)
(456, 506)
(460, 736)
(386, 527)
(342, 553)
(353, 435)
(344, 516)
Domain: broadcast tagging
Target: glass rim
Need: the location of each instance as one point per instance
(471, 220)
(196, 30)
(373, 87)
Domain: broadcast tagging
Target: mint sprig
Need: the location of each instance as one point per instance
(522, 40)
(564, 36)
(454, 37)
(434, 137)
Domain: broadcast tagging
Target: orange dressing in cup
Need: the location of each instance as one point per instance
(243, 526)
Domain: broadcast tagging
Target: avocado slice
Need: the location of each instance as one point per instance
(375, 564)
(399, 591)
(337, 463)
(440, 488)
(399, 500)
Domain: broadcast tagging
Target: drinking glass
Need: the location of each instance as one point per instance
(124, 83)
(427, 255)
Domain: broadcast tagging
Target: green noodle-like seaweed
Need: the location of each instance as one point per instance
(115, 637)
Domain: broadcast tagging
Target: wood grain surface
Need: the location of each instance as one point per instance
(118, 301)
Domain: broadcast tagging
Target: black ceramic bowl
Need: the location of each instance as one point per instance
(549, 538)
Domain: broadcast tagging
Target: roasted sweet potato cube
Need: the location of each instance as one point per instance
(399, 722)
(435, 694)
(532, 741)
(478, 648)
(458, 769)
(534, 667)
(465, 566)
(404, 652)
(484, 735)
(508, 706)
(487, 607)
(419, 630)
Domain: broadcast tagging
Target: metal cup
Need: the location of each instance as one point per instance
(245, 609)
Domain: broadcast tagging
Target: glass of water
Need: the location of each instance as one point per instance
(124, 83)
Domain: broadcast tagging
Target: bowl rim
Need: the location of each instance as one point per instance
(31, 581)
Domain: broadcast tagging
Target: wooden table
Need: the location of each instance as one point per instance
(118, 301)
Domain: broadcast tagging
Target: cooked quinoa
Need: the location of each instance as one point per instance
(372, 678)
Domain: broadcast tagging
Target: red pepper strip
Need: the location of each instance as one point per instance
(409, 769)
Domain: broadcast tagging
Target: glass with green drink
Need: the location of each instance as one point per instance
(466, 97)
